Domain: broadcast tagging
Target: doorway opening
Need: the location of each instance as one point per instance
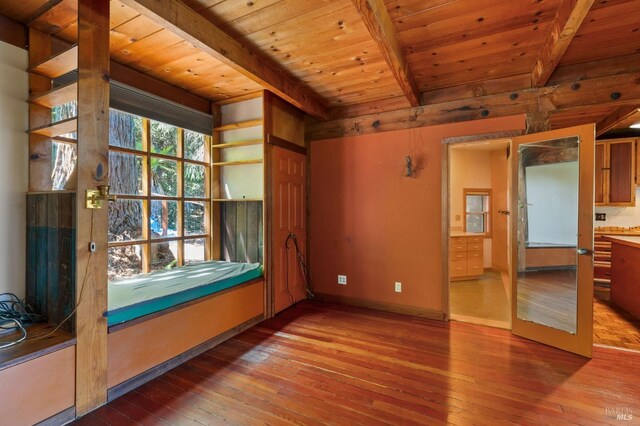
(478, 199)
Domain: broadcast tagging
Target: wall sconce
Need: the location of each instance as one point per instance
(95, 197)
(410, 167)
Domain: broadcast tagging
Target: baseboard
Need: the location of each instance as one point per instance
(159, 370)
(61, 418)
(381, 306)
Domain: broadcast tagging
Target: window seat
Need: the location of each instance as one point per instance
(146, 294)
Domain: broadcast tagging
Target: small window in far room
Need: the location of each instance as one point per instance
(477, 204)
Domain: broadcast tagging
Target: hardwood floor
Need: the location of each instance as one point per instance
(318, 363)
(612, 326)
(549, 298)
(481, 301)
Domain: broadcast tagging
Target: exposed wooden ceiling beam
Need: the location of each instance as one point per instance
(610, 121)
(570, 15)
(194, 28)
(377, 20)
(622, 89)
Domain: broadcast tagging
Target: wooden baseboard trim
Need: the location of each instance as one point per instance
(381, 306)
(61, 418)
(158, 370)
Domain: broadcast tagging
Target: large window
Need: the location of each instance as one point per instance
(477, 203)
(160, 174)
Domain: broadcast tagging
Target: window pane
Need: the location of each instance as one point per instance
(475, 203)
(475, 223)
(164, 177)
(125, 130)
(125, 173)
(193, 218)
(194, 251)
(164, 138)
(194, 181)
(164, 255)
(124, 262)
(194, 145)
(64, 111)
(64, 156)
(163, 218)
(125, 220)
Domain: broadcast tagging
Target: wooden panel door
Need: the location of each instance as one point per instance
(554, 307)
(599, 173)
(622, 190)
(289, 220)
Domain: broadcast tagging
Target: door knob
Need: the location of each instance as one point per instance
(583, 251)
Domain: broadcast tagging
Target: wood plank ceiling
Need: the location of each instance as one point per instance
(354, 57)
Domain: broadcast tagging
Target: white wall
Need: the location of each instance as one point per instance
(469, 169)
(244, 181)
(552, 195)
(14, 119)
(620, 216)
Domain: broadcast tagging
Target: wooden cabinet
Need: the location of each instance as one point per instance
(615, 172)
(466, 259)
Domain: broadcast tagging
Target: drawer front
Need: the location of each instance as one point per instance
(474, 240)
(475, 267)
(457, 268)
(474, 246)
(457, 255)
(458, 244)
(474, 255)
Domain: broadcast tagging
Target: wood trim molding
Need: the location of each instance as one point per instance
(621, 89)
(284, 144)
(376, 18)
(381, 306)
(565, 26)
(180, 19)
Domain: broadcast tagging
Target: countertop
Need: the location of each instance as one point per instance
(626, 240)
(466, 234)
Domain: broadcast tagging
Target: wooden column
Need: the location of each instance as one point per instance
(538, 121)
(93, 170)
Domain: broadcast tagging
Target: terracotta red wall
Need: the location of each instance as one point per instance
(376, 226)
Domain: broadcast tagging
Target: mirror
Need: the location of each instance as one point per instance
(547, 233)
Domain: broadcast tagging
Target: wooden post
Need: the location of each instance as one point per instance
(92, 170)
(538, 121)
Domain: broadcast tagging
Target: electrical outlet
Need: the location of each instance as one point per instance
(601, 216)
(398, 287)
(342, 279)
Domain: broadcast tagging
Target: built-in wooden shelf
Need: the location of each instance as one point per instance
(237, 163)
(59, 64)
(58, 96)
(35, 345)
(237, 144)
(240, 125)
(58, 128)
(236, 199)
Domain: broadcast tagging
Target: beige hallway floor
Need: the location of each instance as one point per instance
(481, 301)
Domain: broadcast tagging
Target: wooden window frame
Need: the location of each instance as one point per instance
(147, 197)
(486, 214)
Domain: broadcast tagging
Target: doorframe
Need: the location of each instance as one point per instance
(445, 203)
